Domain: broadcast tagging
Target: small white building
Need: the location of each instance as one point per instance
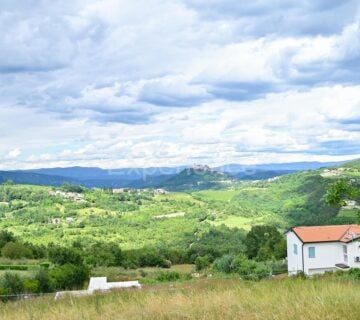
(318, 249)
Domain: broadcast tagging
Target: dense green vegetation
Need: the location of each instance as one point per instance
(53, 238)
(130, 219)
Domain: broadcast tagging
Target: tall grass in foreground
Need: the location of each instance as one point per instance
(326, 298)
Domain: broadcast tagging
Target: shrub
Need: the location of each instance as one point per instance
(15, 250)
(168, 276)
(31, 286)
(61, 256)
(45, 265)
(202, 263)
(247, 269)
(68, 276)
(224, 264)
(5, 237)
(14, 267)
(44, 281)
(12, 283)
(353, 273)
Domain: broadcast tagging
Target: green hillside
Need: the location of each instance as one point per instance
(54, 238)
(197, 178)
(130, 218)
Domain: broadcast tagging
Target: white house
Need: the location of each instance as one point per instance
(318, 249)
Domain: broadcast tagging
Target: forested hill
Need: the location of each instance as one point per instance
(197, 178)
(176, 178)
(145, 217)
(35, 178)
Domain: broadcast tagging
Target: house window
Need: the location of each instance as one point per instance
(345, 253)
(311, 252)
(295, 249)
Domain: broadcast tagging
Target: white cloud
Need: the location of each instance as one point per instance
(13, 154)
(124, 83)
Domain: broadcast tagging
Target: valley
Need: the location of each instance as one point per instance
(131, 218)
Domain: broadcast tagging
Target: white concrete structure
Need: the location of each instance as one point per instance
(314, 250)
(73, 293)
(101, 284)
(98, 284)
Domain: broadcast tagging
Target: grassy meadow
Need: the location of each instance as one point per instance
(295, 299)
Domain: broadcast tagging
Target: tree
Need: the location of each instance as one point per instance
(15, 250)
(202, 263)
(68, 187)
(264, 243)
(61, 255)
(5, 237)
(43, 279)
(12, 283)
(69, 276)
(104, 254)
(31, 286)
(9, 183)
(337, 192)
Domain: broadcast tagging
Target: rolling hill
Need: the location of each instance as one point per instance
(211, 199)
(197, 178)
(35, 178)
(153, 176)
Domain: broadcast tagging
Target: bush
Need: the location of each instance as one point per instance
(15, 250)
(14, 267)
(353, 273)
(247, 269)
(224, 264)
(44, 281)
(45, 265)
(31, 286)
(202, 263)
(69, 276)
(5, 237)
(61, 256)
(168, 276)
(12, 283)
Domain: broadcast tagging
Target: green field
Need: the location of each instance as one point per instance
(293, 299)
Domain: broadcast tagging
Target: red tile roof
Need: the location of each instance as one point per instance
(342, 233)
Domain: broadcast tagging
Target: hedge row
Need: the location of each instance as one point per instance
(23, 267)
(14, 267)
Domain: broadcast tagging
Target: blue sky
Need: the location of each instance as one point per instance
(123, 83)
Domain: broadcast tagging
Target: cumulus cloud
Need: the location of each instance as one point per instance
(106, 82)
(13, 154)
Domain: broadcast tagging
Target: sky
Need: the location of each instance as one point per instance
(138, 83)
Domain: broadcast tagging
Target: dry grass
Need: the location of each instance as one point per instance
(206, 299)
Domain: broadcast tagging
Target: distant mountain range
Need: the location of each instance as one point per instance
(175, 178)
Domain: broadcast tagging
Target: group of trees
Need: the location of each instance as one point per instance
(67, 270)
(228, 250)
(341, 190)
(255, 256)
